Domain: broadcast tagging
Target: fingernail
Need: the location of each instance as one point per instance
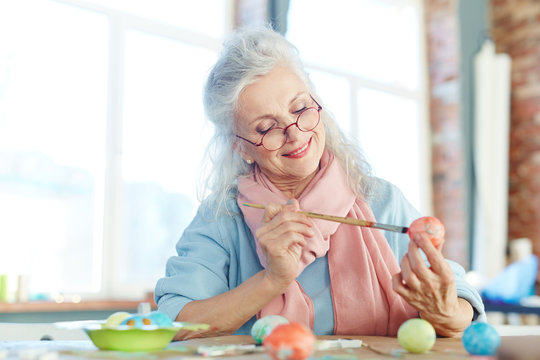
(289, 202)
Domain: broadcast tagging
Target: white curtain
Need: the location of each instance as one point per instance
(491, 152)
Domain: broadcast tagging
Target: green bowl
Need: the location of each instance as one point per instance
(127, 338)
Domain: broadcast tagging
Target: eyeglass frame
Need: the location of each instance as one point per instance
(318, 108)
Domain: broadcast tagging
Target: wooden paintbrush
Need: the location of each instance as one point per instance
(345, 220)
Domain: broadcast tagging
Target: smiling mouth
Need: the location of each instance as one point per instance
(299, 151)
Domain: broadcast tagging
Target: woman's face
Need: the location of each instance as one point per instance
(276, 100)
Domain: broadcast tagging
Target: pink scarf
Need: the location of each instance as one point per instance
(360, 260)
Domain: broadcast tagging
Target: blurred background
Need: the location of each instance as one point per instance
(102, 129)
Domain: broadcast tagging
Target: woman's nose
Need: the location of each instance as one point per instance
(292, 131)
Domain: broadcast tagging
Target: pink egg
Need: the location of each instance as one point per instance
(291, 341)
(429, 225)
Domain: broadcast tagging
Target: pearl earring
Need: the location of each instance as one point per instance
(249, 161)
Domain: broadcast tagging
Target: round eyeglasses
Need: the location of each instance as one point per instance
(275, 138)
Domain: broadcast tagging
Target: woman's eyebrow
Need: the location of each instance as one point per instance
(265, 116)
(299, 94)
(270, 116)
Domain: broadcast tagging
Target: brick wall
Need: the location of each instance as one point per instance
(516, 31)
(443, 54)
(515, 27)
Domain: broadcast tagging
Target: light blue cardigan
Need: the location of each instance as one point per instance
(216, 255)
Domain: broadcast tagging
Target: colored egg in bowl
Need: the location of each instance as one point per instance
(134, 333)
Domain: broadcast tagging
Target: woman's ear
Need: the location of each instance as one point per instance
(240, 150)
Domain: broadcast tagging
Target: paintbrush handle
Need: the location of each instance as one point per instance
(344, 220)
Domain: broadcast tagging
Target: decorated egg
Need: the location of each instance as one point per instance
(264, 326)
(292, 341)
(137, 321)
(156, 318)
(160, 319)
(429, 225)
(116, 319)
(416, 335)
(481, 339)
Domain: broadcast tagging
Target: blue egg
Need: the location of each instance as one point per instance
(155, 318)
(481, 339)
(160, 319)
(137, 321)
(264, 326)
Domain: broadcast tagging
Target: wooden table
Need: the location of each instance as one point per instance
(379, 347)
(513, 347)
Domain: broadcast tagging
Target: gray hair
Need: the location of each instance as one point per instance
(246, 55)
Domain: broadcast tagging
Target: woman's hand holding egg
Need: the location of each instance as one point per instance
(428, 287)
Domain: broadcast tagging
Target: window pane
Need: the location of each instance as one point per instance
(164, 138)
(394, 151)
(52, 141)
(204, 16)
(373, 39)
(335, 92)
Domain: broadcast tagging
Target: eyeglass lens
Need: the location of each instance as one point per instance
(276, 138)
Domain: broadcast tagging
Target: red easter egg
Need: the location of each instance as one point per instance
(291, 341)
(429, 225)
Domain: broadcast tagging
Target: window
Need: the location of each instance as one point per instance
(101, 133)
(366, 59)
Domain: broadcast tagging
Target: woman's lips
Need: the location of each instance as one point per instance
(300, 152)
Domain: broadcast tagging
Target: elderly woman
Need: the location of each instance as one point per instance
(275, 145)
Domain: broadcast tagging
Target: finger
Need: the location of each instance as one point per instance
(270, 211)
(410, 296)
(399, 285)
(284, 229)
(417, 263)
(293, 204)
(276, 214)
(284, 254)
(408, 275)
(287, 220)
(289, 211)
(283, 242)
(283, 226)
(433, 255)
(441, 244)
